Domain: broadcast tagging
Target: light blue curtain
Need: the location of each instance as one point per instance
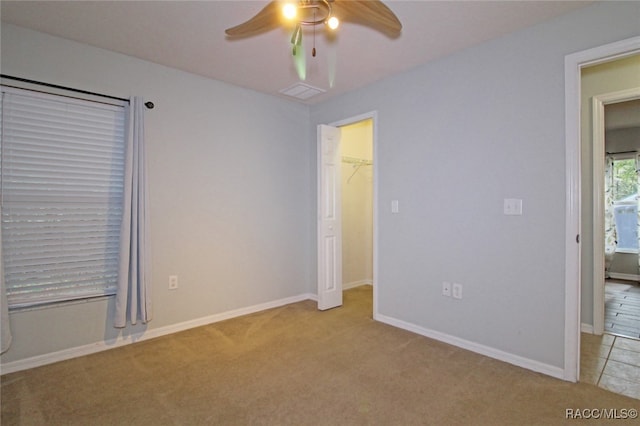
(610, 236)
(133, 296)
(4, 317)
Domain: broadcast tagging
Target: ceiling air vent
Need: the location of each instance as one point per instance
(301, 91)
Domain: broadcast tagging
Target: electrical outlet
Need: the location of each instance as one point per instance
(173, 282)
(457, 291)
(446, 289)
(513, 206)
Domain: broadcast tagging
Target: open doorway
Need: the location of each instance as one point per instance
(618, 289)
(578, 237)
(610, 131)
(356, 152)
(347, 215)
(609, 150)
(356, 155)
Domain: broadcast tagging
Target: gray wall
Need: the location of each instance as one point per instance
(229, 191)
(456, 137)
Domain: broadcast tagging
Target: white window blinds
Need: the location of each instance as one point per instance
(62, 187)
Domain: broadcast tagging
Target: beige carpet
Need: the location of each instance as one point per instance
(294, 366)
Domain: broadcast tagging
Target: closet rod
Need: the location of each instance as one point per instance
(357, 161)
(149, 105)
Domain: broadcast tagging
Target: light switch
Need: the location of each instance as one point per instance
(394, 206)
(513, 206)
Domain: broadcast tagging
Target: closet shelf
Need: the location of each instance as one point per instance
(357, 163)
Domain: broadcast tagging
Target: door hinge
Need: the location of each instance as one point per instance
(578, 238)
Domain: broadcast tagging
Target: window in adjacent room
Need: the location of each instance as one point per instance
(62, 175)
(625, 203)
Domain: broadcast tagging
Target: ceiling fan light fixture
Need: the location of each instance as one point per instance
(333, 22)
(303, 13)
(308, 12)
(289, 11)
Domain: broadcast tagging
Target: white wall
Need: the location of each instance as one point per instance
(357, 205)
(454, 138)
(597, 80)
(229, 191)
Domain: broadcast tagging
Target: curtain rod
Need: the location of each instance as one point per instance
(149, 105)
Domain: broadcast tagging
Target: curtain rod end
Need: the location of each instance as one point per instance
(149, 105)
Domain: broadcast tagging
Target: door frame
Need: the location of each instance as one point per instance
(373, 115)
(598, 103)
(572, 71)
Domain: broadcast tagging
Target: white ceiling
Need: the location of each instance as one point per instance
(189, 35)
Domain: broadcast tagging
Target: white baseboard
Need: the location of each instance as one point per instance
(354, 284)
(628, 277)
(586, 328)
(527, 363)
(40, 360)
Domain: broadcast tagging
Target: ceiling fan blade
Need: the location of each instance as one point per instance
(265, 20)
(371, 13)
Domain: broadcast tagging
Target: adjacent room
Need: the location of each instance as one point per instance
(212, 216)
(610, 125)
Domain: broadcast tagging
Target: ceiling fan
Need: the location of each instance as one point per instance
(298, 13)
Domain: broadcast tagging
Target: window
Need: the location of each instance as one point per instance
(625, 204)
(62, 174)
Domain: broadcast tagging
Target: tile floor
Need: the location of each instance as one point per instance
(622, 308)
(611, 362)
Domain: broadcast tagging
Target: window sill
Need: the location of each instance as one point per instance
(627, 251)
(58, 304)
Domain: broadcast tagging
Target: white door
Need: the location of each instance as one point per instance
(329, 219)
